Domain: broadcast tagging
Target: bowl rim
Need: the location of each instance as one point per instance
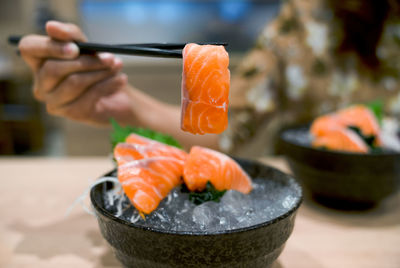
(332, 152)
(99, 209)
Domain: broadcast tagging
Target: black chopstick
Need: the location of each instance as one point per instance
(90, 48)
(164, 50)
(170, 45)
(129, 50)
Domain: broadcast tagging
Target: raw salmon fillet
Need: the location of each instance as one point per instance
(355, 116)
(324, 123)
(147, 181)
(137, 139)
(203, 165)
(205, 89)
(363, 118)
(341, 139)
(127, 152)
(148, 170)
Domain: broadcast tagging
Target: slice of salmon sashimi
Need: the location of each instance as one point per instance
(341, 139)
(363, 118)
(148, 181)
(203, 165)
(205, 89)
(126, 152)
(137, 139)
(324, 124)
(148, 170)
(358, 116)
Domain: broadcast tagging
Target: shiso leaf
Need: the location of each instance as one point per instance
(208, 194)
(119, 134)
(377, 107)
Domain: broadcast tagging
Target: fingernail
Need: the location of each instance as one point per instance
(106, 58)
(71, 49)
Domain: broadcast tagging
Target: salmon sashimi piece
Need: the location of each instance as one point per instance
(147, 181)
(205, 89)
(137, 139)
(324, 123)
(148, 170)
(341, 139)
(363, 118)
(205, 118)
(358, 116)
(203, 165)
(127, 152)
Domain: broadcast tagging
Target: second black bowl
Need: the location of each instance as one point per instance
(340, 179)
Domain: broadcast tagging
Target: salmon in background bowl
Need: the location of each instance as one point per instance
(340, 179)
(138, 244)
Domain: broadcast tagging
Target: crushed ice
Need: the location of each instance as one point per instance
(268, 199)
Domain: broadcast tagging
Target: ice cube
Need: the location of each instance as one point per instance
(235, 203)
(203, 215)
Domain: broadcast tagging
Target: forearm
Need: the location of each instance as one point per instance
(153, 114)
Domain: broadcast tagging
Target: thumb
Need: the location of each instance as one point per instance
(64, 31)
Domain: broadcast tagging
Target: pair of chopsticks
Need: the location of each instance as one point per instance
(163, 50)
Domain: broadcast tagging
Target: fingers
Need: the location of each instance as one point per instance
(84, 107)
(53, 72)
(69, 84)
(58, 45)
(34, 48)
(64, 31)
(74, 86)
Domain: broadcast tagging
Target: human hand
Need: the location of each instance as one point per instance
(86, 88)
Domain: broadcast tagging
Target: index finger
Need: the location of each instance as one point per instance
(35, 48)
(64, 31)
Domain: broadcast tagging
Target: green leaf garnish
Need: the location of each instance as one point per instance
(119, 134)
(377, 108)
(208, 194)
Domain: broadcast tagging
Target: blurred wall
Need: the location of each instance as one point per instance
(25, 128)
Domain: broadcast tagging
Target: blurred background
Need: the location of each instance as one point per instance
(26, 129)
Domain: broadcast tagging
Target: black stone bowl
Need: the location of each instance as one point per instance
(254, 246)
(340, 180)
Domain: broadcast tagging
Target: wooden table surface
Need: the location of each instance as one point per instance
(35, 194)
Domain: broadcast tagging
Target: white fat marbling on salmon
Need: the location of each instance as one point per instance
(211, 90)
(148, 179)
(355, 138)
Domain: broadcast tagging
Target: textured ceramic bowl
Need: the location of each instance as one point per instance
(255, 246)
(339, 179)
